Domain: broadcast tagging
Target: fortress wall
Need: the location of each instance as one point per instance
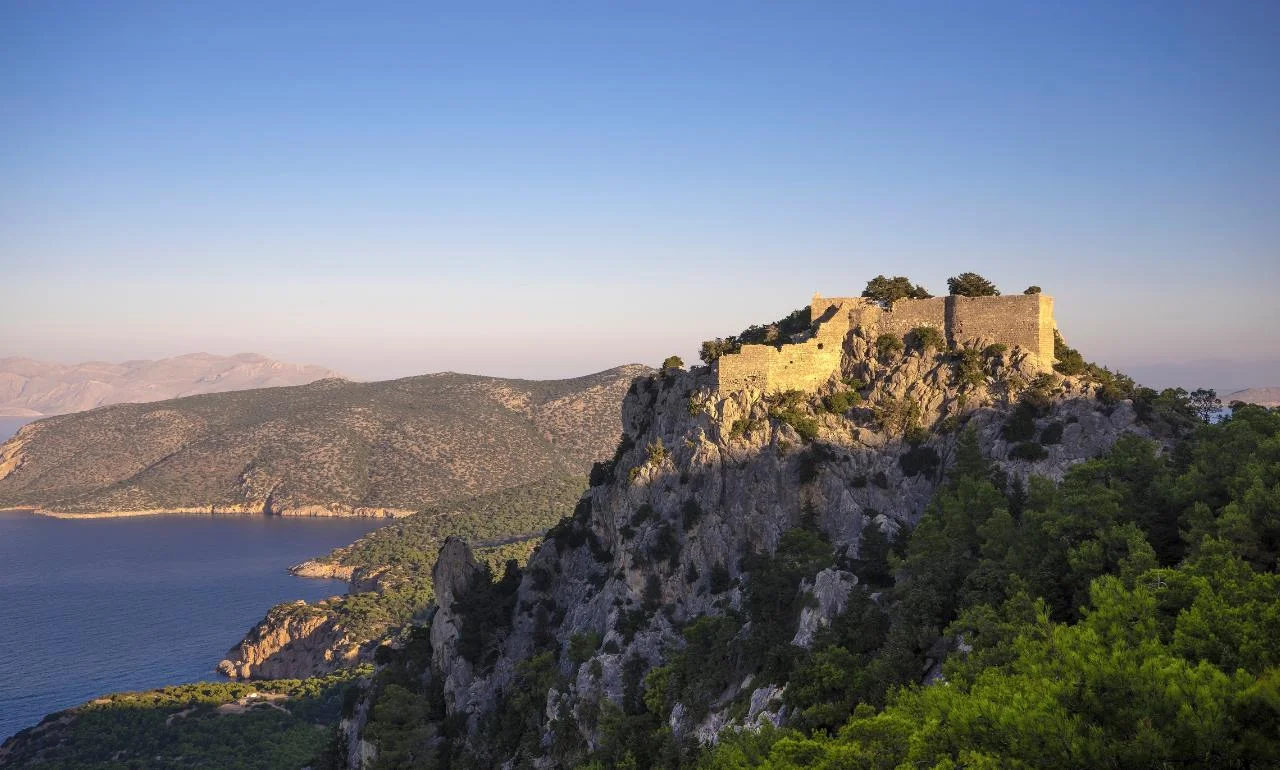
(1020, 319)
(1015, 319)
(748, 368)
(907, 314)
(802, 365)
(859, 311)
(1024, 320)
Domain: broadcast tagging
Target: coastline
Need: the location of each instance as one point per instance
(310, 511)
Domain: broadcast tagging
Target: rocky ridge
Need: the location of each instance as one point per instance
(294, 641)
(700, 482)
(331, 448)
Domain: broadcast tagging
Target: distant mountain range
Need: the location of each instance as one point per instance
(332, 447)
(31, 388)
(1260, 396)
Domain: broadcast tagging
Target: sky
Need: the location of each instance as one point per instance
(545, 190)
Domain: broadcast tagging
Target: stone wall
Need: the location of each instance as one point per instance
(907, 314)
(801, 366)
(1022, 320)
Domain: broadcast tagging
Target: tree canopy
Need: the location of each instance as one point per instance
(971, 285)
(889, 290)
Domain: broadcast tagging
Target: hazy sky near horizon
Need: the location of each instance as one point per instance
(543, 190)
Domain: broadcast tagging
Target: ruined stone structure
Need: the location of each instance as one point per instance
(1018, 320)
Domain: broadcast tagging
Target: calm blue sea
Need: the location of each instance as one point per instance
(10, 425)
(93, 607)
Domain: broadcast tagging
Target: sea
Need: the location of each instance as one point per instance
(98, 606)
(10, 426)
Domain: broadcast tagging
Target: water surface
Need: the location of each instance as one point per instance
(93, 607)
(10, 425)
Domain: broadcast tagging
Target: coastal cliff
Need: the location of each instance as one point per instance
(295, 641)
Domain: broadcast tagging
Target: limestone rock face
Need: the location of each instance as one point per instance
(361, 578)
(830, 589)
(453, 574)
(703, 478)
(293, 641)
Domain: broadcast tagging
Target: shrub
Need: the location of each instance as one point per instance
(631, 621)
(652, 598)
(1021, 425)
(890, 290)
(812, 460)
(1052, 433)
(583, 646)
(742, 426)
(778, 332)
(719, 580)
(842, 402)
(656, 452)
(995, 349)
(915, 434)
(919, 459)
(888, 345)
(1070, 362)
(713, 349)
(896, 417)
(601, 474)
(692, 513)
(971, 285)
(642, 514)
(805, 426)
(970, 368)
(672, 362)
(1029, 451)
(485, 612)
(1038, 395)
(926, 337)
(786, 407)
(1032, 289)
(666, 544)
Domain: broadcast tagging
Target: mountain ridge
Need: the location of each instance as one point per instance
(29, 387)
(331, 447)
(1262, 396)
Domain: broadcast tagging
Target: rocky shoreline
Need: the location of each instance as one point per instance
(312, 511)
(295, 641)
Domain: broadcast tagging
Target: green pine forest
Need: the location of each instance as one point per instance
(1128, 617)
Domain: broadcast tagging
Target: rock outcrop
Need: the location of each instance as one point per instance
(704, 479)
(455, 572)
(294, 641)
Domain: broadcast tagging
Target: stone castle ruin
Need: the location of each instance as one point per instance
(1018, 320)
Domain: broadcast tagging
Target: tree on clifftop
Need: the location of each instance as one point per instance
(889, 290)
(971, 285)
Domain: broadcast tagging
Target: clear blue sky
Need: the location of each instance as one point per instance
(540, 189)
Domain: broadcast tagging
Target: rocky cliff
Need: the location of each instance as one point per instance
(704, 485)
(295, 641)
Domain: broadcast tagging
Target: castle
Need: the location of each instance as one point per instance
(1017, 320)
